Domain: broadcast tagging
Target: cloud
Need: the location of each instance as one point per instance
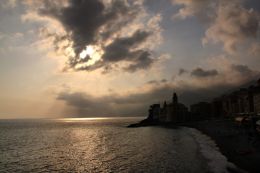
(203, 87)
(199, 72)
(143, 61)
(255, 49)
(182, 71)
(157, 82)
(191, 8)
(8, 4)
(136, 104)
(217, 71)
(119, 30)
(243, 69)
(133, 104)
(233, 26)
(164, 80)
(228, 22)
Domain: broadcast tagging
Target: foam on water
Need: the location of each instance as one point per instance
(217, 162)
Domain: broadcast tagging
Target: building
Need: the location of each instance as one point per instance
(217, 107)
(154, 112)
(256, 98)
(243, 101)
(163, 113)
(257, 102)
(201, 110)
(236, 103)
(174, 111)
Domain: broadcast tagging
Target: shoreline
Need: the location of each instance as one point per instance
(233, 141)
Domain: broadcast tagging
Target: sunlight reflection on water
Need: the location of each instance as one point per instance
(96, 145)
(97, 118)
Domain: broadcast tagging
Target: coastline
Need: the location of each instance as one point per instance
(234, 141)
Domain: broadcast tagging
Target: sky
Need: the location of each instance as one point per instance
(88, 58)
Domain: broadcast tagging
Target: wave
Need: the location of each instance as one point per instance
(217, 162)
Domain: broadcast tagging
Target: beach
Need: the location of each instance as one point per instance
(237, 143)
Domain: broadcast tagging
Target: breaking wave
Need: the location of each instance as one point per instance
(217, 162)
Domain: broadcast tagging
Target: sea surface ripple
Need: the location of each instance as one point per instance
(104, 145)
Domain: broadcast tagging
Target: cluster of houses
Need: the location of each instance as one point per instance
(245, 101)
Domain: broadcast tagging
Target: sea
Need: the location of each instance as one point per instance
(105, 145)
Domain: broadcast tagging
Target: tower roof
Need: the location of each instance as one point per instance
(175, 98)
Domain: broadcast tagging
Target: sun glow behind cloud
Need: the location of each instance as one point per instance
(93, 53)
(88, 51)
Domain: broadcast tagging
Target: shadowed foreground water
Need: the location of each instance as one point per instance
(104, 145)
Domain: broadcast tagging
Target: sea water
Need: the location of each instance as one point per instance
(105, 145)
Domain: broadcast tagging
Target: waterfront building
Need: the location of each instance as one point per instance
(173, 111)
(257, 103)
(201, 110)
(154, 112)
(245, 101)
(256, 98)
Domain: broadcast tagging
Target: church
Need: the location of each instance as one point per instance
(170, 112)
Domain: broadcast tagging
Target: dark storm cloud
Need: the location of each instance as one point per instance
(142, 61)
(199, 72)
(82, 19)
(96, 22)
(122, 49)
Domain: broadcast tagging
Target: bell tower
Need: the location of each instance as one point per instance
(174, 98)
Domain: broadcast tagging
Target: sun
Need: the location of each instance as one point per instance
(93, 53)
(87, 52)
